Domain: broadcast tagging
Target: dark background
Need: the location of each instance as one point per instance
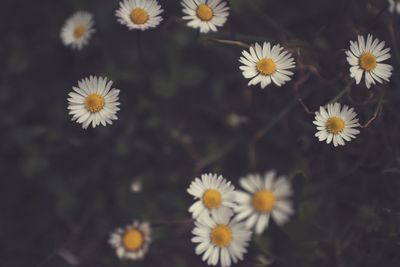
(64, 189)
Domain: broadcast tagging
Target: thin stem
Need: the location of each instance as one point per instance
(343, 92)
(230, 42)
(378, 110)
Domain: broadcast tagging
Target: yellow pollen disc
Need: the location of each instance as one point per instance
(133, 240)
(263, 201)
(94, 102)
(79, 31)
(368, 61)
(212, 199)
(221, 235)
(139, 16)
(335, 125)
(266, 66)
(204, 12)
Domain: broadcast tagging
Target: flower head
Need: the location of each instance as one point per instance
(139, 14)
(205, 15)
(336, 124)
(77, 30)
(263, 65)
(366, 57)
(93, 102)
(220, 239)
(213, 194)
(264, 196)
(131, 242)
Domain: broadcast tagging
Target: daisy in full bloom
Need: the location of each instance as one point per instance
(263, 65)
(205, 15)
(131, 242)
(264, 197)
(367, 57)
(213, 194)
(93, 102)
(77, 30)
(220, 239)
(394, 5)
(336, 124)
(139, 14)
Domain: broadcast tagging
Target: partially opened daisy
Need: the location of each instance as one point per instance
(93, 102)
(139, 14)
(394, 6)
(336, 124)
(263, 65)
(212, 193)
(366, 57)
(132, 241)
(220, 239)
(264, 196)
(205, 15)
(77, 30)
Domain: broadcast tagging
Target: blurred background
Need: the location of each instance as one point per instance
(186, 110)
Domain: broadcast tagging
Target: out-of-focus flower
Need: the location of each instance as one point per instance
(367, 57)
(213, 194)
(77, 30)
(136, 186)
(394, 6)
(336, 124)
(131, 242)
(93, 102)
(139, 14)
(220, 239)
(264, 197)
(264, 65)
(205, 15)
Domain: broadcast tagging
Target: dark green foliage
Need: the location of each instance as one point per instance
(63, 189)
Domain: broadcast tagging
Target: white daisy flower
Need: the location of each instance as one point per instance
(77, 30)
(93, 102)
(265, 65)
(139, 14)
(366, 57)
(394, 6)
(213, 194)
(264, 197)
(220, 239)
(336, 124)
(131, 242)
(205, 15)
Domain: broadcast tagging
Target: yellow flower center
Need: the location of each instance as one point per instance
(79, 31)
(204, 12)
(139, 16)
(94, 102)
(335, 125)
(263, 201)
(212, 199)
(266, 66)
(133, 239)
(368, 61)
(221, 235)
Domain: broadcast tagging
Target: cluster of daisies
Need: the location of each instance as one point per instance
(225, 218)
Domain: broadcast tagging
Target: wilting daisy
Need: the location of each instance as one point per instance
(213, 194)
(264, 197)
(366, 57)
(336, 124)
(139, 14)
(263, 65)
(77, 30)
(93, 102)
(394, 5)
(205, 15)
(131, 242)
(220, 239)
